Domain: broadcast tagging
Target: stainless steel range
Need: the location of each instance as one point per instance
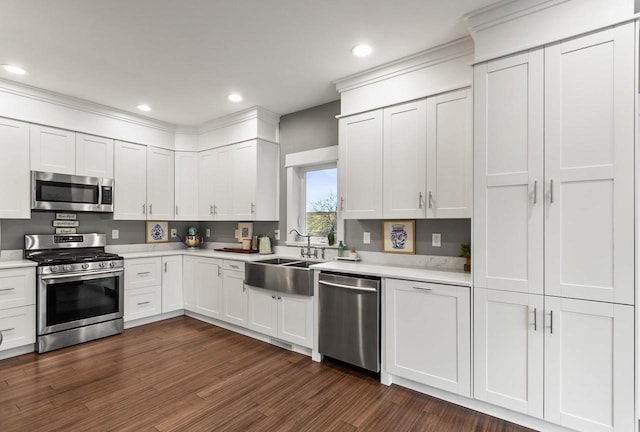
(80, 289)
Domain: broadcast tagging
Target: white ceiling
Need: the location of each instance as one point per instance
(183, 57)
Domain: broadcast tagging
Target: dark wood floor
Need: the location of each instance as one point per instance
(185, 375)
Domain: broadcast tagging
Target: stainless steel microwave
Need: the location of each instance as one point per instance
(51, 191)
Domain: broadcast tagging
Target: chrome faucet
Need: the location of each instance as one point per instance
(308, 253)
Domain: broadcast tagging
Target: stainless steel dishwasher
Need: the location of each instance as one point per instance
(349, 319)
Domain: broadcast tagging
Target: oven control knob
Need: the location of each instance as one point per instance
(102, 264)
(85, 266)
(66, 268)
(54, 269)
(112, 264)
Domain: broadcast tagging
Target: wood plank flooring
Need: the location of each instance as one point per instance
(185, 375)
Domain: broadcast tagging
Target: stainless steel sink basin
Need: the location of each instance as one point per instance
(280, 274)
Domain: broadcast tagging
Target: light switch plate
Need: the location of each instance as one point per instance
(174, 233)
(366, 237)
(436, 239)
(115, 234)
(208, 232)
(276, 234)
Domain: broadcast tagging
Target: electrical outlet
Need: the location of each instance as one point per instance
(436, 239)
(115, 234)
(276, 234)
(174, 233)
(366, 237)
(208, 232)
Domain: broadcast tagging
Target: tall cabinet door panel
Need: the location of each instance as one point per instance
(186, 186)
(589, 365)
(508, 175)
(94, 156)
(405, 148)
(53, 150)
(222, 183)
(160, 184)
(14, 165)
(360, 166)
(245, 165)
(449, 155)
(508, 350)
(130, 169)
(206, 184)
(589, 138)
(208, 287)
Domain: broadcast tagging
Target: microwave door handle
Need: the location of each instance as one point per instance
(99, 192)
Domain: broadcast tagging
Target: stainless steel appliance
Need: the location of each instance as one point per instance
(79, 289)
(349, 319)
(68, 192)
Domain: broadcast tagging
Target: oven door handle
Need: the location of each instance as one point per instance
(83, 275)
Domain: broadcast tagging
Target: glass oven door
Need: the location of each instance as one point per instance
(75, 300)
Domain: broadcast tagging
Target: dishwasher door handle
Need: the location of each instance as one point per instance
(350, 287)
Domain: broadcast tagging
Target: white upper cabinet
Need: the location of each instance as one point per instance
(360, 165)
(404, 160)
(14, 165)
(589, 166)
(206, 183)
(186, 186)
(508, 173)
(94, 156)
(53, 150)
(130, 195)
(222, 173)
(160, 184)
(449, 155)
(244, 175)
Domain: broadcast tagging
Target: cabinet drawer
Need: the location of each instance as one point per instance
(17, 287)
(18, 327)
(233, 265)
(142, 272)
(142, 302)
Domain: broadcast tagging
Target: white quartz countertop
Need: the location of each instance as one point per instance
(16, 263)
(449, 277)
(208, 253)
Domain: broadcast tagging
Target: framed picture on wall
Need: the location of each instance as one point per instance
(399, 236)
(157, 232)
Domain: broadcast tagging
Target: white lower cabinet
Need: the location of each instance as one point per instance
(428, 334)
(142, 302)
(287, 317)
(581, 351)
(208, 287)
(17, 326)
(172, 297)
(234, 294)
(152, 286)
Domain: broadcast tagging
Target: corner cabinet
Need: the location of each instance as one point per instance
(130, 195)
(15, 188)
(186, 186)
(160, 184)
(428, 334)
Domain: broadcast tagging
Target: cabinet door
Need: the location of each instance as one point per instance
(130, 169)
(17, 326)
(94, 156)
(234, 298)
(589, 365)
(263, 311)
(208, 276)
(15, 187)
(186, 186)
(360, 165)
(172, 283)
(508, 170)
(508, 350)
(295, 319)
(223, 183)
(189, 283)
(429, 334)
(17, 287)
(142, 302)
(142, 272)
(53, 150)
(449, 155)
(160, 184)
(404, 160)
(244, 181)
(206, 184)
(589, 152)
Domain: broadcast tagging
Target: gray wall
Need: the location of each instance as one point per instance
(301, 131)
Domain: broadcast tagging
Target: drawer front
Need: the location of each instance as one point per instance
(142, 272)
(17, 287)
(233, 266)
(142, 303)
(18, 327)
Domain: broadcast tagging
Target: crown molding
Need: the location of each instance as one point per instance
(504, 11)
(240, 117)
(439, 54)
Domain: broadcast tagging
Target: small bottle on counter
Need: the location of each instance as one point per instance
(340, 249)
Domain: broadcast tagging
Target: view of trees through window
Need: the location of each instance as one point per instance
(321, 196)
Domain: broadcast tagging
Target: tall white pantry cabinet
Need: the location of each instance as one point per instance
(553, 231)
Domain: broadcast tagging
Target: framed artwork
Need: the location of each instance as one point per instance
(399, 236)
(157, 232)
(245, 230)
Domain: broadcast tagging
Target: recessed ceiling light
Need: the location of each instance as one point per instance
(14, 69)
(361, 50)
(144, 107)
(235, 97)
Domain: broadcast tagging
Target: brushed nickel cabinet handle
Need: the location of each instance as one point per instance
(551, 190)
(430, 200)
(420, 200)
(144, 209)
(176, 210)
(143, 303)
(143, 273)
(535, 319)
(165, 267)
(7, 289)
(253, 208)
(211, 209)
(215, 209)
(423, 288)
(535, 192)
(150, 209)
(341, 203)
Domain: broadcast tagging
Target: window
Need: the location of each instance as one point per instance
(312, 195)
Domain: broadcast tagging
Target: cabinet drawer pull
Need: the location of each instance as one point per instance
(143, 273)
(7, 330)
(551, 326)
(7, 289)
(423, 288)
(143, 303)
(535, 319)
(234, 266)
